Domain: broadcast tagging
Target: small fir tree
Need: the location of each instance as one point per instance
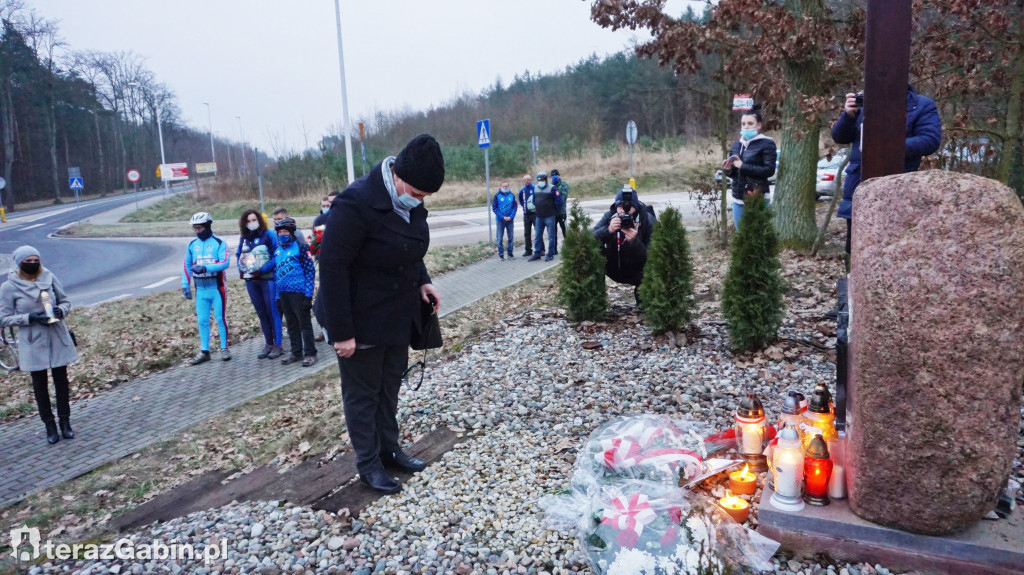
(581, 283)
(752, 296)
(667, 289)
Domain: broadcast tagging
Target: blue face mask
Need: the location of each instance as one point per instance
(748, 134)
(555, 180)
(406, 200)
(285, 240)
(324, 210)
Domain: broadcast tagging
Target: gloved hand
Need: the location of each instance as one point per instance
(58, 312)
(198, 269)
(307, 304)
(38, 317)
(255, 275)
(187, 292)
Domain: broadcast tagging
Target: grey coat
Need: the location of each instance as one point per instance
(40, 346)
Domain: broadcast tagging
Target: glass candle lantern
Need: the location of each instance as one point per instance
(818, 419)
(800, 399)
(823, 389)
(817, 470)
(788, 471)
(47, 301)
(751, 433)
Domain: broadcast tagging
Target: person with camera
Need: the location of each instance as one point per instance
(33, 299)
(923, 137)
(529, 213)
(750, 163)
(625, 234)
(373, 280)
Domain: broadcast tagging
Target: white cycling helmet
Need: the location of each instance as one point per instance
(200, 219)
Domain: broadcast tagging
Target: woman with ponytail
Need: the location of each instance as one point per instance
(750, 163)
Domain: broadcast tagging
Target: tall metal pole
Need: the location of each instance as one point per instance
(242, 140)
(534, 144)
(259, 178)
(163, 158)
(209, 118)
(344, 100)
(487, 174)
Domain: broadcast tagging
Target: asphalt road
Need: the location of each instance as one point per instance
(93, 270)
(98, 270)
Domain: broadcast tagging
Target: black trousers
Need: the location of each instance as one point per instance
(370, 381)
(300, 324)
(849, 234)
(528, 218)
(560, 220)
(42, 393)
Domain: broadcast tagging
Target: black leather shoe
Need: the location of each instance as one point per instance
(380, 482)
(402, 462)
(51, 433)
(65, 428)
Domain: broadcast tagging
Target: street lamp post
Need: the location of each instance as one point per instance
(242, 140)
(344, 99)
(209, 118)
(160, 131)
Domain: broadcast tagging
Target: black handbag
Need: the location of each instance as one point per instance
(427, 333)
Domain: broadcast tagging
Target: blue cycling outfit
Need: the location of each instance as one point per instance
(211, 291)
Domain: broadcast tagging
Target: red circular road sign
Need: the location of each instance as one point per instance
(133, 176)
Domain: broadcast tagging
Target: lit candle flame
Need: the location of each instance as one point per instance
(732, 502)
(745, 475)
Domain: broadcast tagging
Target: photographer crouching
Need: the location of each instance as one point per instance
(625, 233)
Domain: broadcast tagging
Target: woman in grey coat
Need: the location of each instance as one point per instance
(43, 344)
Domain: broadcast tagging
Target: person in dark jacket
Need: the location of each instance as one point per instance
(561, 190)
(504, 208)
(750, 163)
(325, 205)
(924, 135)
(44, 340)
(373, 279)
(544, 221)
(625, 247)
(257, 244)
(529, 213)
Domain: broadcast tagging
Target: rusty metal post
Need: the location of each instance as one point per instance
(886, 74)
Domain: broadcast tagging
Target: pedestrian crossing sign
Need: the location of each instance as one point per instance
(76, 183)
(483, 130)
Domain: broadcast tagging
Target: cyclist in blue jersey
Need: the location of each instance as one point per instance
(205, 261)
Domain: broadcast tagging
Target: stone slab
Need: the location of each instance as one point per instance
(986, 548)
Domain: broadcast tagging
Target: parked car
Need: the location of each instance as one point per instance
(828, 172)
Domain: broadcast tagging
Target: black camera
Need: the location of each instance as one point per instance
(859, 98)
(626, 221)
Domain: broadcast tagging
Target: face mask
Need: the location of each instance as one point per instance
(285, 240)
(555, 180)
(30, 268)
(748, 134)
(542, 185)
(406, 200)
(324, 210)
(504, 189)
(252, 226)
(205, 234)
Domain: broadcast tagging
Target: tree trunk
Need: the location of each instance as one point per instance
(7, 123)
(793, 203)
(51, 128)
(99, 149)
(1013, 113)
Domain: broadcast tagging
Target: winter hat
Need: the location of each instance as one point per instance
(542, 176)
(421, 164)
(23, 252)
(555, 173)
(285, 224)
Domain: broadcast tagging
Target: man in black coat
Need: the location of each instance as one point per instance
(624, 247)
(373, 278)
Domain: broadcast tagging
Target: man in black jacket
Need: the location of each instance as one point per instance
(624, 240)
(529, 212)
(373, 279)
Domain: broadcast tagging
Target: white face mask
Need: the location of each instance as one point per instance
(253, 226)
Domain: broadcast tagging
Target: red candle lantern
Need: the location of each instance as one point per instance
(817, 470)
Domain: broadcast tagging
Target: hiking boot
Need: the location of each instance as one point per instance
(265, 353)
(291, 359)
(308, 360)
(534, 258)
(276, 352)
(225, 355)
(527, 254)
(511, 256)
(201, 357)
(549, 258)
(501, 257)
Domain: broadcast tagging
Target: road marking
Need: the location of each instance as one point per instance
(160, 283)
(115, 298)
(32, 226)
(55, 213)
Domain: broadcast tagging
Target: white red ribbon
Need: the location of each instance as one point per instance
(631, 451)
(631, 515)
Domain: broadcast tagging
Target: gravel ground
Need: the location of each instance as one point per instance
(527, 394)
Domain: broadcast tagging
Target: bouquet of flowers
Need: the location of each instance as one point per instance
(648, 447)
(643, 528)
(317, 238)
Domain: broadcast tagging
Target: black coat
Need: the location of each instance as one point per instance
(371, 265)
(758, 165)
(625, 264)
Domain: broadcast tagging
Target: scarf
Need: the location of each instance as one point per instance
(389, 183)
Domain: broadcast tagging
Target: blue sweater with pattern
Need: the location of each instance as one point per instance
(295, 272)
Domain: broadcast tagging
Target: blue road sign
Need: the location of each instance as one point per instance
(483, 130)
(76, 183)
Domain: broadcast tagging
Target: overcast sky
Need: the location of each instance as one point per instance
(275, 63)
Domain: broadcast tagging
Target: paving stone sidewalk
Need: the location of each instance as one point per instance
(139, 413)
